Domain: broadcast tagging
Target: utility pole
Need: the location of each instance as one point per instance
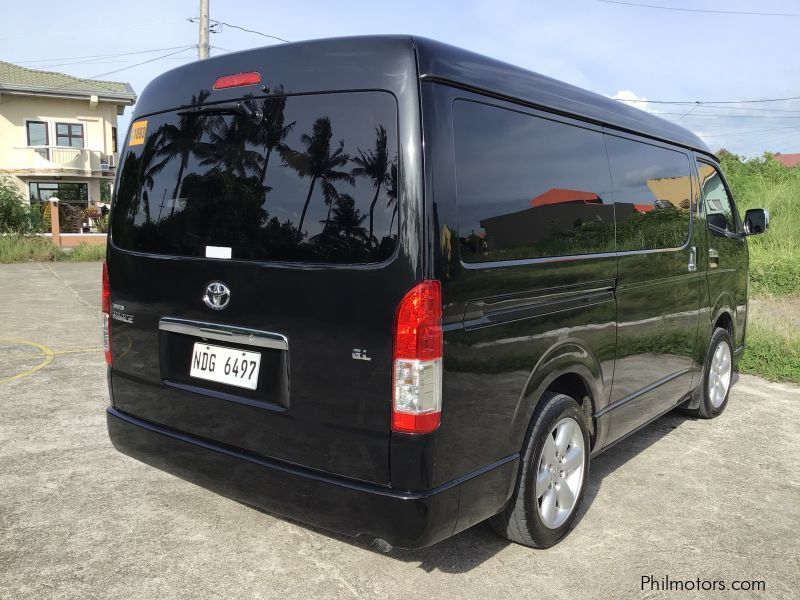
(203, 47)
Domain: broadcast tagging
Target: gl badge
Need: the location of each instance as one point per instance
(359, 354)
(217, 295)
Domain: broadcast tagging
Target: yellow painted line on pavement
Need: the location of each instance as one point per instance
(47, 358)
(54, 352)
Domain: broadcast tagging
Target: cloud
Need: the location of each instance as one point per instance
(631, 99)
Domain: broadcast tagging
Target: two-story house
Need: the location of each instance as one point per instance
(58, 133)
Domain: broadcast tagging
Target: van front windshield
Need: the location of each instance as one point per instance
(308, 178)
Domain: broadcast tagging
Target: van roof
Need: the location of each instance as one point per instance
(449, 64)
(339, 63)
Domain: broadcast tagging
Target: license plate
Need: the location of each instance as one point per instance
(225, 365)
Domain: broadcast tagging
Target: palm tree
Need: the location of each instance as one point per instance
(183, 140)
(331, 195)
(318, 161)
(347, 219)
(391, 192)
(273, 131)
(228, 137)
(151, 166)
(375, 166)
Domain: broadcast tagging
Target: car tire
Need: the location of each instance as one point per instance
(717, 375)
(552, 478)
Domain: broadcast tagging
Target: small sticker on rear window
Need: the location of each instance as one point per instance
(138, 133)
(218, 252)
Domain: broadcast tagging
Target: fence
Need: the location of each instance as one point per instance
(70, 240)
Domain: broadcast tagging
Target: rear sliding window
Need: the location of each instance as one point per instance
(296, 178)
(529, 187)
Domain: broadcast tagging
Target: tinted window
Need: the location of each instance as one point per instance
(719, 208)
(529, 187)
(652, 192)
(297, 178)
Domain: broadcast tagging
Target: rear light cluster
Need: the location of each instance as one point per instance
(105, 301)
(417, 368)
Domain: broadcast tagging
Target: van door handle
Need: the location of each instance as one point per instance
(693, 259)
(713, 258)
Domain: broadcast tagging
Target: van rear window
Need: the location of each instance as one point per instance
(293, 179)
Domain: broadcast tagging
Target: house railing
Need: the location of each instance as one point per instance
(64, 157)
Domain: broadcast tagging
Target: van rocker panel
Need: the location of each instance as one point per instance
(402, 518)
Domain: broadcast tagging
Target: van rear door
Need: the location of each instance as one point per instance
(260, 234)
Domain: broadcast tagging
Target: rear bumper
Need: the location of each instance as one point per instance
(404, 519)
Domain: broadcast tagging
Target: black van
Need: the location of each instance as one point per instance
(393, 288)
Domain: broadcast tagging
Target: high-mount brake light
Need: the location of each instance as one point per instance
(417, 366)
(105, 303)
(238, 80)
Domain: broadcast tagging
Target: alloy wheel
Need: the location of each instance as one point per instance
(560, 473)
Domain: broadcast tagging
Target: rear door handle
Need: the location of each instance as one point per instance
(713, 258)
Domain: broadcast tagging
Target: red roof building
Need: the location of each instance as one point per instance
(788, 160)
(562, 196)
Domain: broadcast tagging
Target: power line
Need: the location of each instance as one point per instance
(687, 102)
(728, 116)
(137, 25)
(726, 134)
(144, 62)
(88, 56)
(224, 24)
(700, 10)
(771, 110)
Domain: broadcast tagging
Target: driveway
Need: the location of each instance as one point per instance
(686, 499)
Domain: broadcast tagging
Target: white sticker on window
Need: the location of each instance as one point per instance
(218, 252)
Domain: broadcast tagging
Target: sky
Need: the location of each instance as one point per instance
(634, 53)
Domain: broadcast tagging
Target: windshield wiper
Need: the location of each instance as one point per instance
(240, 108)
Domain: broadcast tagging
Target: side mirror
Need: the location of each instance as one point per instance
(756, 220)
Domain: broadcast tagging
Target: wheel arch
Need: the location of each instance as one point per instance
(569, 367)
(723, 311)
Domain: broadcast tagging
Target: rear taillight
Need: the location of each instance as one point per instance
(417, 400)
(105, 301)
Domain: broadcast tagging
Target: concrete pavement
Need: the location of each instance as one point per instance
(687, 499)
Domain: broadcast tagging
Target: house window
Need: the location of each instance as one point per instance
(37, 136)
(69, 134)
(71, 193)
(37, 133)
(113, 139)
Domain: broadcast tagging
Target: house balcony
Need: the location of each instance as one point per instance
(55, 160)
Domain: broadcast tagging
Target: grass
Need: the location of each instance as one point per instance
(772, 353)
(85, 253)
(773, 339)
(772, 348)
(18, 248)
(774, 255)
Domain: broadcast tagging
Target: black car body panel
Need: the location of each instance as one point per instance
(613, 300)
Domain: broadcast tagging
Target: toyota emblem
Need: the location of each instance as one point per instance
(217, 295)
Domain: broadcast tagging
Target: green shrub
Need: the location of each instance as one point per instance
(15, 215)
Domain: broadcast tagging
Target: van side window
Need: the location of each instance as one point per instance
(528, 187)
(652, 195)
(720, 212)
